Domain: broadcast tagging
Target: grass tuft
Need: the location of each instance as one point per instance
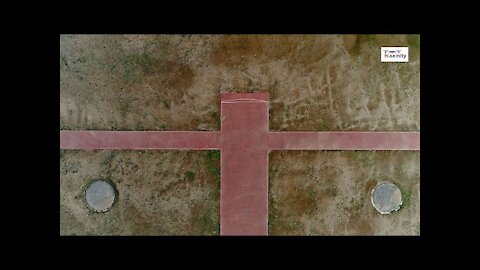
(189, 176)
(213, 163)
(136, 65)
(406, 195)
(413, 41)
(109, 158)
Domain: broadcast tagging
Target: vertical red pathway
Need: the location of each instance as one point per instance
(244, 163)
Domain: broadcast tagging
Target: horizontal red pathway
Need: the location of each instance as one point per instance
(193, 140)
(245, 142)
(348, 140)
(201, 140)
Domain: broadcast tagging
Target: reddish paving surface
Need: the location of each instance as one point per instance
(244, 161)
(245, 142)
(189, 140)
(339, 140)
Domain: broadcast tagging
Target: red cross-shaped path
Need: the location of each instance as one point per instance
(244, 141)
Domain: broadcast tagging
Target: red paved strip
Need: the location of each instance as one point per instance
(192, 140)
(348, 140)
(226, 97)
(244, 162)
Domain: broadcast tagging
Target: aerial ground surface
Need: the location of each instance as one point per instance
(173, 82)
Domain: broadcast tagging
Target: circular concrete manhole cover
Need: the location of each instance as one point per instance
(386, 198)
(100, 196)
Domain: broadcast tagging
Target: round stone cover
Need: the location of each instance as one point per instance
(100, 195)
(386, 198)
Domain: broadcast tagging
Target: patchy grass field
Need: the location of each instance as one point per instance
(173, 82)
(328, 192)
(159, 192)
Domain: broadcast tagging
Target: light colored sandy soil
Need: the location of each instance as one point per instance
(317, 82)
(159, 193)
(172, 82)
(328, 192)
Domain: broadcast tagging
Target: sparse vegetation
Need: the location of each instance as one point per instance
(166, 104)
(80, 60)
(112, 68)
(213, 163)
(157, 47)
(286, 112)
(216, 118)
(332, 191)
(190, 176)
(63, 60)
(357, 205)
(341, 205)
(312, 193)
(279, 224)
(364, 157)
(413, 41)
(110, 65)
(136, 65)
(148, 193)
(140, 126)
(70, 167)
(252, 87)
(109, 158)
(209, 222)
(406, 194)
(322, 126)
(205, 218)
(368, 38)
(414, 45)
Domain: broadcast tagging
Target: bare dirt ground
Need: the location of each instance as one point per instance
(328, 192)
(172, 82)
(324, 82)
(159, 192)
